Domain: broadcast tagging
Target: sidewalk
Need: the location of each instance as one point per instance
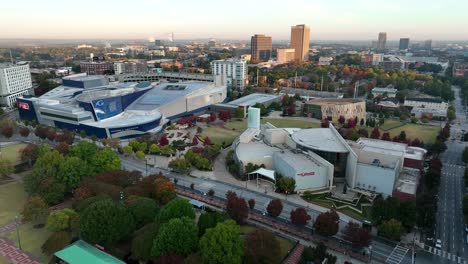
(9, 250)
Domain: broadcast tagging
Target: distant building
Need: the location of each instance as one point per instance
(285, 55)
(381, 91)
(260, 48)
(404, 43)
(130, 67)
(232, 72)
(428, 45)
(246, 102)
(15, 81)
(460, 70)
(158, 42)
(96, 68)
(300, 39)
(382, 41)
(334, 108)
(429, 103)
(389, 102)
(212, 43)
(325, 61)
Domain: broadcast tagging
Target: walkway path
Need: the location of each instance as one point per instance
(9, 250)
(295, 255)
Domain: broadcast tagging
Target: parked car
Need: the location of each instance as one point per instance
(438, 244)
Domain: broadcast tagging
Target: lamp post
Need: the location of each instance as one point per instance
(146, 166)
(17, 231)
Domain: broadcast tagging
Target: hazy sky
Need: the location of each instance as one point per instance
(236, 19)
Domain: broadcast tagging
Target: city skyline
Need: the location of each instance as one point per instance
(332, 20)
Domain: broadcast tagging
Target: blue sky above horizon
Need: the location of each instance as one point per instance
(328, 19)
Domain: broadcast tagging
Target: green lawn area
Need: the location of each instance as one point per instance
(10, 152)
(285, 244)
(278, 122)
(219, 135)
(427, 134)
(12, 199)
(31, 240)
(390, 123)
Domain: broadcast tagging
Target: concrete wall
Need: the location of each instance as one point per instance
(382, 178)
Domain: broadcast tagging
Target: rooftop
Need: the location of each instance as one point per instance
(252, 99)
(408, 181)
(319, 139)
(81, 252)
(332, 101)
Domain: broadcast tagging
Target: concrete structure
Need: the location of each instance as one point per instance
(124, 110)
(96, 68)
(254, 118)
(15, 81)
(325, 61)
(130, 67)
(246, 102)
(404, 43)
(381, 91)
(285, 55)
(428, 45)
(460, 70)
(260, 48)
(334, 108)
(300, 39)
(319, 158)
(232, 72)
(382, 41)
(429, 103)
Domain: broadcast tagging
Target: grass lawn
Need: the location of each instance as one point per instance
(12, 199)
(219, 135)
(10, 152)
(278, 122)
(31, 240)
(285, 244)
(390, 123)
(427, 134)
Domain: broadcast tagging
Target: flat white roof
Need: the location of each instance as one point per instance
(252, 99)
(254, 150)
(319, 139)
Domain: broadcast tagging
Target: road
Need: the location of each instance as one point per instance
(450, 228)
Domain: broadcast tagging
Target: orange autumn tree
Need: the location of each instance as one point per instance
(164, 190)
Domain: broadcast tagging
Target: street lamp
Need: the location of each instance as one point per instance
(17, 231)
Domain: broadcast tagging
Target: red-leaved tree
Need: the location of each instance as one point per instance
(299, 216)
(327, 223)
(236, 207)
(24, 131)
(275, 207)
(386, 136)
(375, 133)
(163, 141)
(360, 237)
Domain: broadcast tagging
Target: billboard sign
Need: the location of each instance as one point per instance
(303, 174)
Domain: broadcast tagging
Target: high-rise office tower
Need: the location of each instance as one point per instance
(300, 39)
(382, 41)
(260, 48)
(428, 45)
(404, 43)
(15, 81)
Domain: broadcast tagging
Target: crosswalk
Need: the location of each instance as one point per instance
(446, 255)
(397, 255)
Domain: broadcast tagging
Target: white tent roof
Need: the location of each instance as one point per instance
(264, 172)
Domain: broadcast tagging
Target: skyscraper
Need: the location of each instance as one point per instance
(404, 43)
(300, 39)
(428, 45)
(382, 41)
(260, 48)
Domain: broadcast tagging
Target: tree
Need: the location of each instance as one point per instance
(56, 242)
(180, 165)
(24, 131)
(178, 236)
(354, 233)
(222, 244)
(402, 135)
(236, 207)
(6, 168)
(341, 120)
(251, 203)
(325, 123)
(164, 190)
(375, 133)
(299, 216)
(210, 220)
(62, 148)
(154, 149)
(439, 147)
(286, 184)
(391, 229)
(317, 255)
(327, 223)
(362, 123)
(84, 150)
(35, 209)
(275, 207)
(7, 130)
(176, 208)
(71, 171)
(106, 222)
(142, 242)
(262, 246)
(51, 190)
(238, 113)
(140, 155)
(105, 160)
(144, 210)
(61, 220)
(163, 141)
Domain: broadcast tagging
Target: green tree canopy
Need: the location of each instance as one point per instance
(71, 171)
(262, 247)
(391, 229)
(176, 208)
(178, 236)
(106, 222)
(209, 220)
(106, 160)
(144, 210)
(61, 220)
(222, 244)
(142, 242)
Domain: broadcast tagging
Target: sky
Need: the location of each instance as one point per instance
(235, 19)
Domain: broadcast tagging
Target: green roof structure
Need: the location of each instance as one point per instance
(81, 252)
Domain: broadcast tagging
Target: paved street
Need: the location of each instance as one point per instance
(450, 227)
